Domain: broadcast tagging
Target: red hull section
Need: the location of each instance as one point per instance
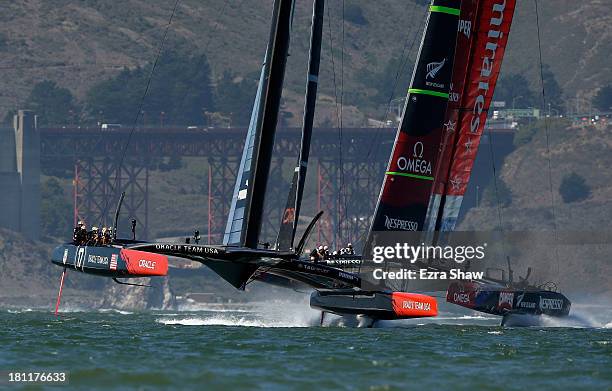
(376, 305)
(142, 263)
(413, 305)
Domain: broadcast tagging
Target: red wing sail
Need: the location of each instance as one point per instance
(491, 31)
(465, 41)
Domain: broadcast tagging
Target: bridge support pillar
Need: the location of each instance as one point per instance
(27, 142)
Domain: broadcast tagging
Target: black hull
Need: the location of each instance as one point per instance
(375, 305)
(502, 301)
(110, 261)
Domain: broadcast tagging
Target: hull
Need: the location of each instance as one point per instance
(375, 305)
(108, 261)
(502, 301)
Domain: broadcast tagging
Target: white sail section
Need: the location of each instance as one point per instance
(237, 213)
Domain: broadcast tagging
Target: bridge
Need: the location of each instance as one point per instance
(349, 167)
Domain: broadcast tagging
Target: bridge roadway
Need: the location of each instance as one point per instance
(216, 142)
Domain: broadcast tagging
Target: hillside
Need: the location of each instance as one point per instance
(580, 259)
(79, 43)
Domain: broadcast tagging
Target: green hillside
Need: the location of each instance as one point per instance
(80, 43)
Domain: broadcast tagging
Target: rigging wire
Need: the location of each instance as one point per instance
(140, 106)
(402, 65)
(496, 189)
(547, 133)
(331, 53)
(342, 198)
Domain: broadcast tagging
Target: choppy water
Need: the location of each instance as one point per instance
(251, 349)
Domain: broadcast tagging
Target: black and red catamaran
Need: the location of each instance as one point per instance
(435, 149)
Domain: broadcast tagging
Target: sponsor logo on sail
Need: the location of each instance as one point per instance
(488, 61)
(403, 225)
(289, 216)
(465, 27)
(416, 164)
(433, 68)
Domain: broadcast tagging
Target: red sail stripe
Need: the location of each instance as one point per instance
(491, 37)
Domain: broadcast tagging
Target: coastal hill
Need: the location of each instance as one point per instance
(80, 43)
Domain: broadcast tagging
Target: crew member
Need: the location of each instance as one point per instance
(349, 249)
(93, 236)
(314, 255)
(103, 236)
(109, 235)
(76, 233)
(326, 252)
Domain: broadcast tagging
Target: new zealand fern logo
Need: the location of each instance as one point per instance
(433, 68)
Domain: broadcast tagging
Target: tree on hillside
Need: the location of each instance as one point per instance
(235, 97)
(574, 188)
(514, 89)
(388, 83)
(603, 99)
(55, 209)
(498, 193)
(179, 94)
(554, 93)
(52, 104)
(354, 14)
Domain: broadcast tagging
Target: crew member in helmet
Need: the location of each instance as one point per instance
(94, 237)
(76, 233)
(314, 255)
(349, 249)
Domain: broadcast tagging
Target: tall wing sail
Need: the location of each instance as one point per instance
(465, 40)
(286, 234)
(484, 64)
(405, 193)
(244, 221)
(235, 219)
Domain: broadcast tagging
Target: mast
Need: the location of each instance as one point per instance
(291, 214)
(249, 194)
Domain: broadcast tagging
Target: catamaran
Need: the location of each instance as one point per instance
(240, 259)
(435, 149)
(451, 90)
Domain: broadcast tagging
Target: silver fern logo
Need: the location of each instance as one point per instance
(433, 68)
